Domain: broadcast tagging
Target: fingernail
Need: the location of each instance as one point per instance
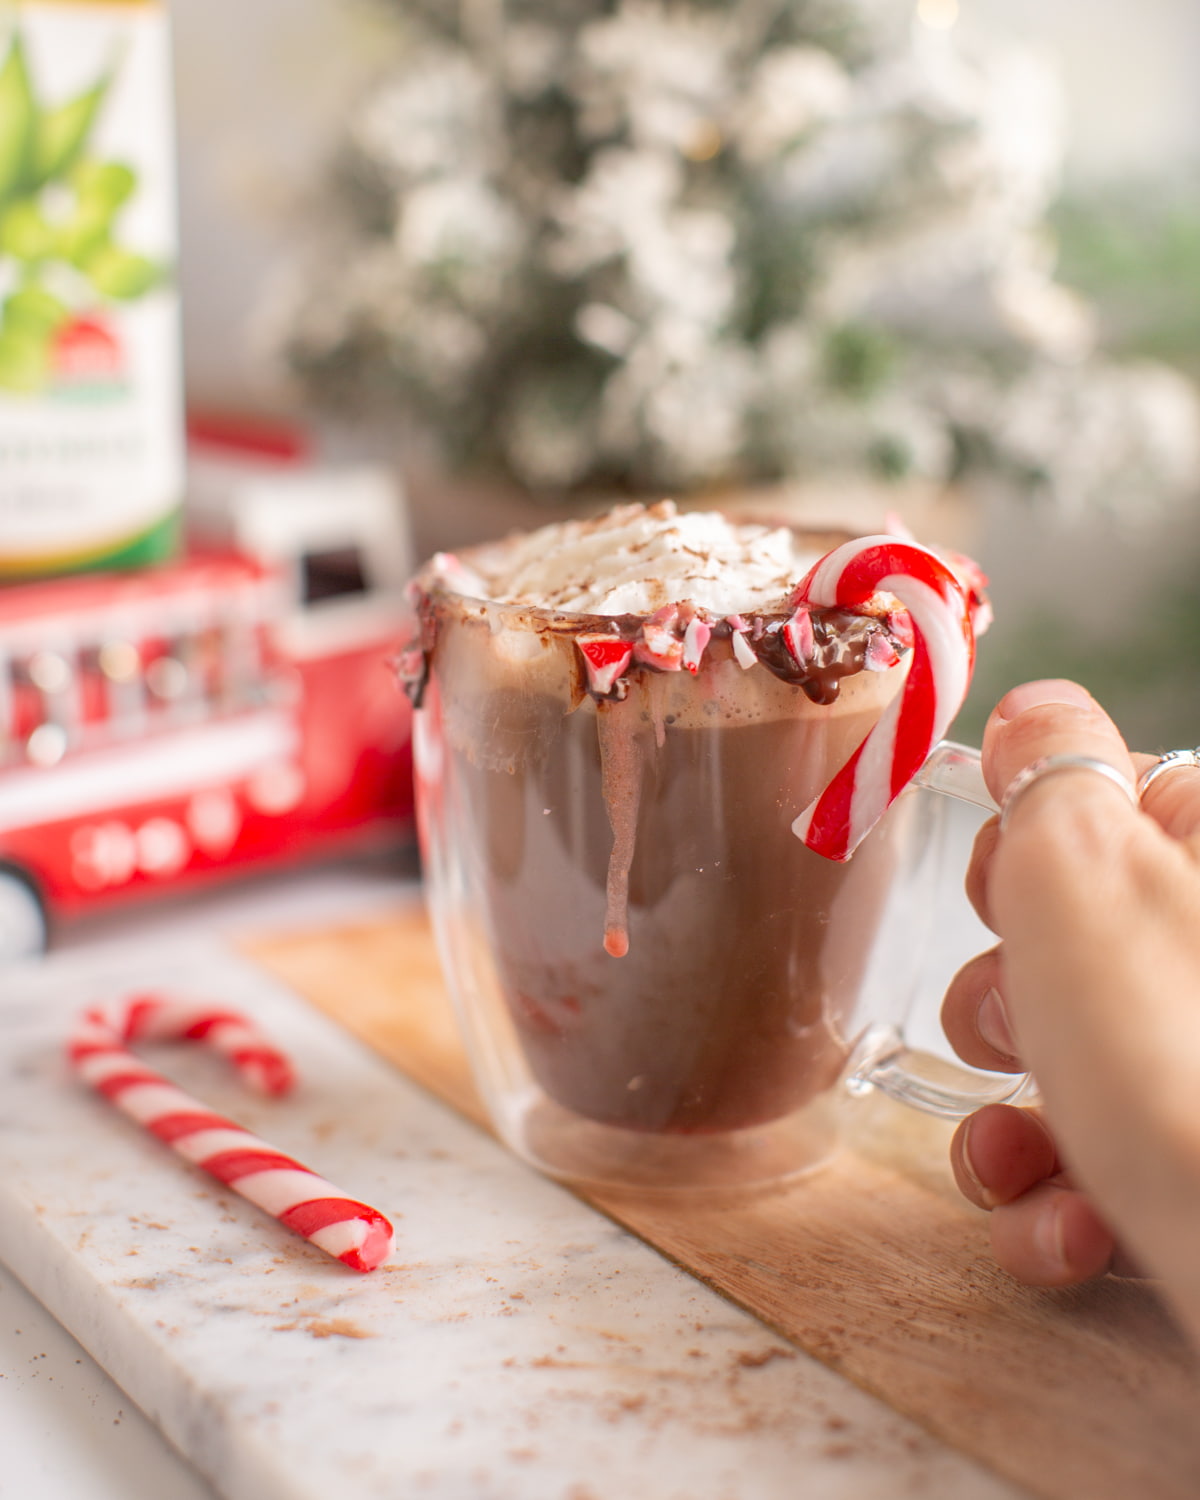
(1029, 695)
(991, 1022)
(1049, 1238)
(986, 1196)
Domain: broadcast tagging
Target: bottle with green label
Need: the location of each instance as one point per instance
(91, 446)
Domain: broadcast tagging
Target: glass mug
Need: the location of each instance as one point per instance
(760, 980)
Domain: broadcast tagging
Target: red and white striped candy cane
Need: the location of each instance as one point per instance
(351, 1232)
(938, 677)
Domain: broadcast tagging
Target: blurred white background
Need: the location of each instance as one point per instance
(262, 84)
(265, 85)
(1129, 75)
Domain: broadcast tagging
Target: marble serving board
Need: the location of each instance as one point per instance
(874, 1264)
(519, 1344)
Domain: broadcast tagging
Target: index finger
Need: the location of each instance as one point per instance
(1173, 803)
(1051, 718)
(1035, 720)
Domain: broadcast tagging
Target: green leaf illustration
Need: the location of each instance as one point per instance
(34, 310)
(24, 233)
(24, 360)
(103, 184)
(121, 274)
(62, 133)
(83, 235)
(18, 121)
(100, 190)
(44, 165)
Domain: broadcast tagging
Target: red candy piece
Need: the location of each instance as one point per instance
(798, 636)
(660, 647)
(606, 658)
(900, 628)
(973, 581)
(880, 654)
(695, 639)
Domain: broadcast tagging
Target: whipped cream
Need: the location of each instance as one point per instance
(635, 559)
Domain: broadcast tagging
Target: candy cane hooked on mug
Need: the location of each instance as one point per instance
(344, 1228)
(916, 719)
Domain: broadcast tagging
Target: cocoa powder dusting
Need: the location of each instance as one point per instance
(326, 1328)
(754, 1360)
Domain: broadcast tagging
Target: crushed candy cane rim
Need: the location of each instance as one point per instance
(801, 646)
(98, 1049)
(675, 637)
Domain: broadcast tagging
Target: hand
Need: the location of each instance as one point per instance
(1096, 988)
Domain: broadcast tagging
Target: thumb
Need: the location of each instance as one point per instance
(1040, 719)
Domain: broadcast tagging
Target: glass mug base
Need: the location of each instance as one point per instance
(584, 1153)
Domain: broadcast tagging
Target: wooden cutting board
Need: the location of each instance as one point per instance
(874, 1265)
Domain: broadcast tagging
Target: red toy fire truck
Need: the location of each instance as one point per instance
(231, 709)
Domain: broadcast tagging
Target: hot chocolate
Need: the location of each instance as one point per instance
(621, 720)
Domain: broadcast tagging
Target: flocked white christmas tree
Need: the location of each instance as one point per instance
(630, 244)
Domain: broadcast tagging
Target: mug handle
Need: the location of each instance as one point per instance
(882, 1059)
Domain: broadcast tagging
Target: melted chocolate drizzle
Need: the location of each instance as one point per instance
(841, 639)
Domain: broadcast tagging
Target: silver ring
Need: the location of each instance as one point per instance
(1173, 760)
(1050, 765)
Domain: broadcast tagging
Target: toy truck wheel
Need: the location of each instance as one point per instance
(23, 930)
